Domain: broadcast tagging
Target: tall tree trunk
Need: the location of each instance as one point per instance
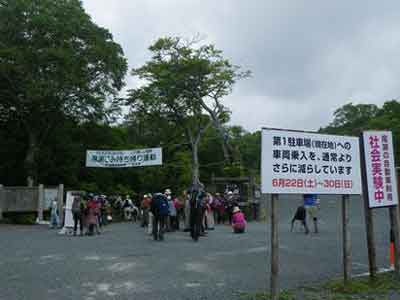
(30, 160)
(226, 148)
(195, 164)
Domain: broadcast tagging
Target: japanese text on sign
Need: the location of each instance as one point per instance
(380, 168)
(124, 159)
(298, 162)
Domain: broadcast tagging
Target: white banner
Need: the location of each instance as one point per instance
(309, 163)
(380, 168)
(124, 159)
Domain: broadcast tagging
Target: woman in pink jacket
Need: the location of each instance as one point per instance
(238, 220)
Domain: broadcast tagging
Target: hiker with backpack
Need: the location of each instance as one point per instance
(197, 196)
(160, 211)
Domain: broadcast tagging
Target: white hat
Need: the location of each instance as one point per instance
(236, 209)
(167, 191)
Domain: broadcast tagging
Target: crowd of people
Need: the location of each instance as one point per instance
(91, 213)
(195, 211)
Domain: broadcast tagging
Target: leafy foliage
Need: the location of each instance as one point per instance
(184, 86)
(352, 119)
(55, 63)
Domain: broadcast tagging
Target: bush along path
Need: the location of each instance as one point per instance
(386, 286)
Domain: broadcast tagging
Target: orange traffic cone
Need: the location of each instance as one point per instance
(391, 249)
(391, 255)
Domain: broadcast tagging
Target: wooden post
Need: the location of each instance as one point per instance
(369, 223)
(40, 202)
(274, 287)
(394, 225)
(346, 239)
(60, 202)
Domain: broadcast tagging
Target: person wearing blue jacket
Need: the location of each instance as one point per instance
(160, 211)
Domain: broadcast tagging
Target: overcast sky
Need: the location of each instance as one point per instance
(307, 57)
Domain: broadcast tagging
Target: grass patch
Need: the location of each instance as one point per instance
(284, 295)
(384, 282)
(384, 286)
(22, 218)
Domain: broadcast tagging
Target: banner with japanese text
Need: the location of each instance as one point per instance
(380, 168)
(124, 159)
(295, 162)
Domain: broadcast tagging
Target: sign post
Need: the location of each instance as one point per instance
(346, 239)
(380, 188)
(394, 225)
(274, 248)
(297, 162)
(369, 220)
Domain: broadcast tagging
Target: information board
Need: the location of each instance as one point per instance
(294, 162)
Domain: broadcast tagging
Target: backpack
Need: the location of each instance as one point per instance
(163, 207)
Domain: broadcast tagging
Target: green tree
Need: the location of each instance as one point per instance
(55, 62)
(185, 84)
(351, 119)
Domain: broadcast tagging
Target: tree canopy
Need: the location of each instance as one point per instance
(185, 84)
(352, 119)
(55, 63)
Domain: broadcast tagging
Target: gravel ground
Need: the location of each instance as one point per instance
(124, 263)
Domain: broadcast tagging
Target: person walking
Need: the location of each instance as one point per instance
(173, 214)
(186, 199)
(92, 220)
(229, 205)
(77, 213)
(145, 208)
(54, 218)
(209, 213)
(151, 216)
(160, 210)
(168, 226)
(196, 211)
(127, 207)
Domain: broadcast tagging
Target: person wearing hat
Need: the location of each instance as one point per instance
(238, 220)
(128, 208)
(167, 194)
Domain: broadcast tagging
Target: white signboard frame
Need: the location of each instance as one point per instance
(69, 219)
(380, 169)
(124, 159)
(297, 162)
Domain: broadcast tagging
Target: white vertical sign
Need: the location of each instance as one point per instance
(380, 168)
